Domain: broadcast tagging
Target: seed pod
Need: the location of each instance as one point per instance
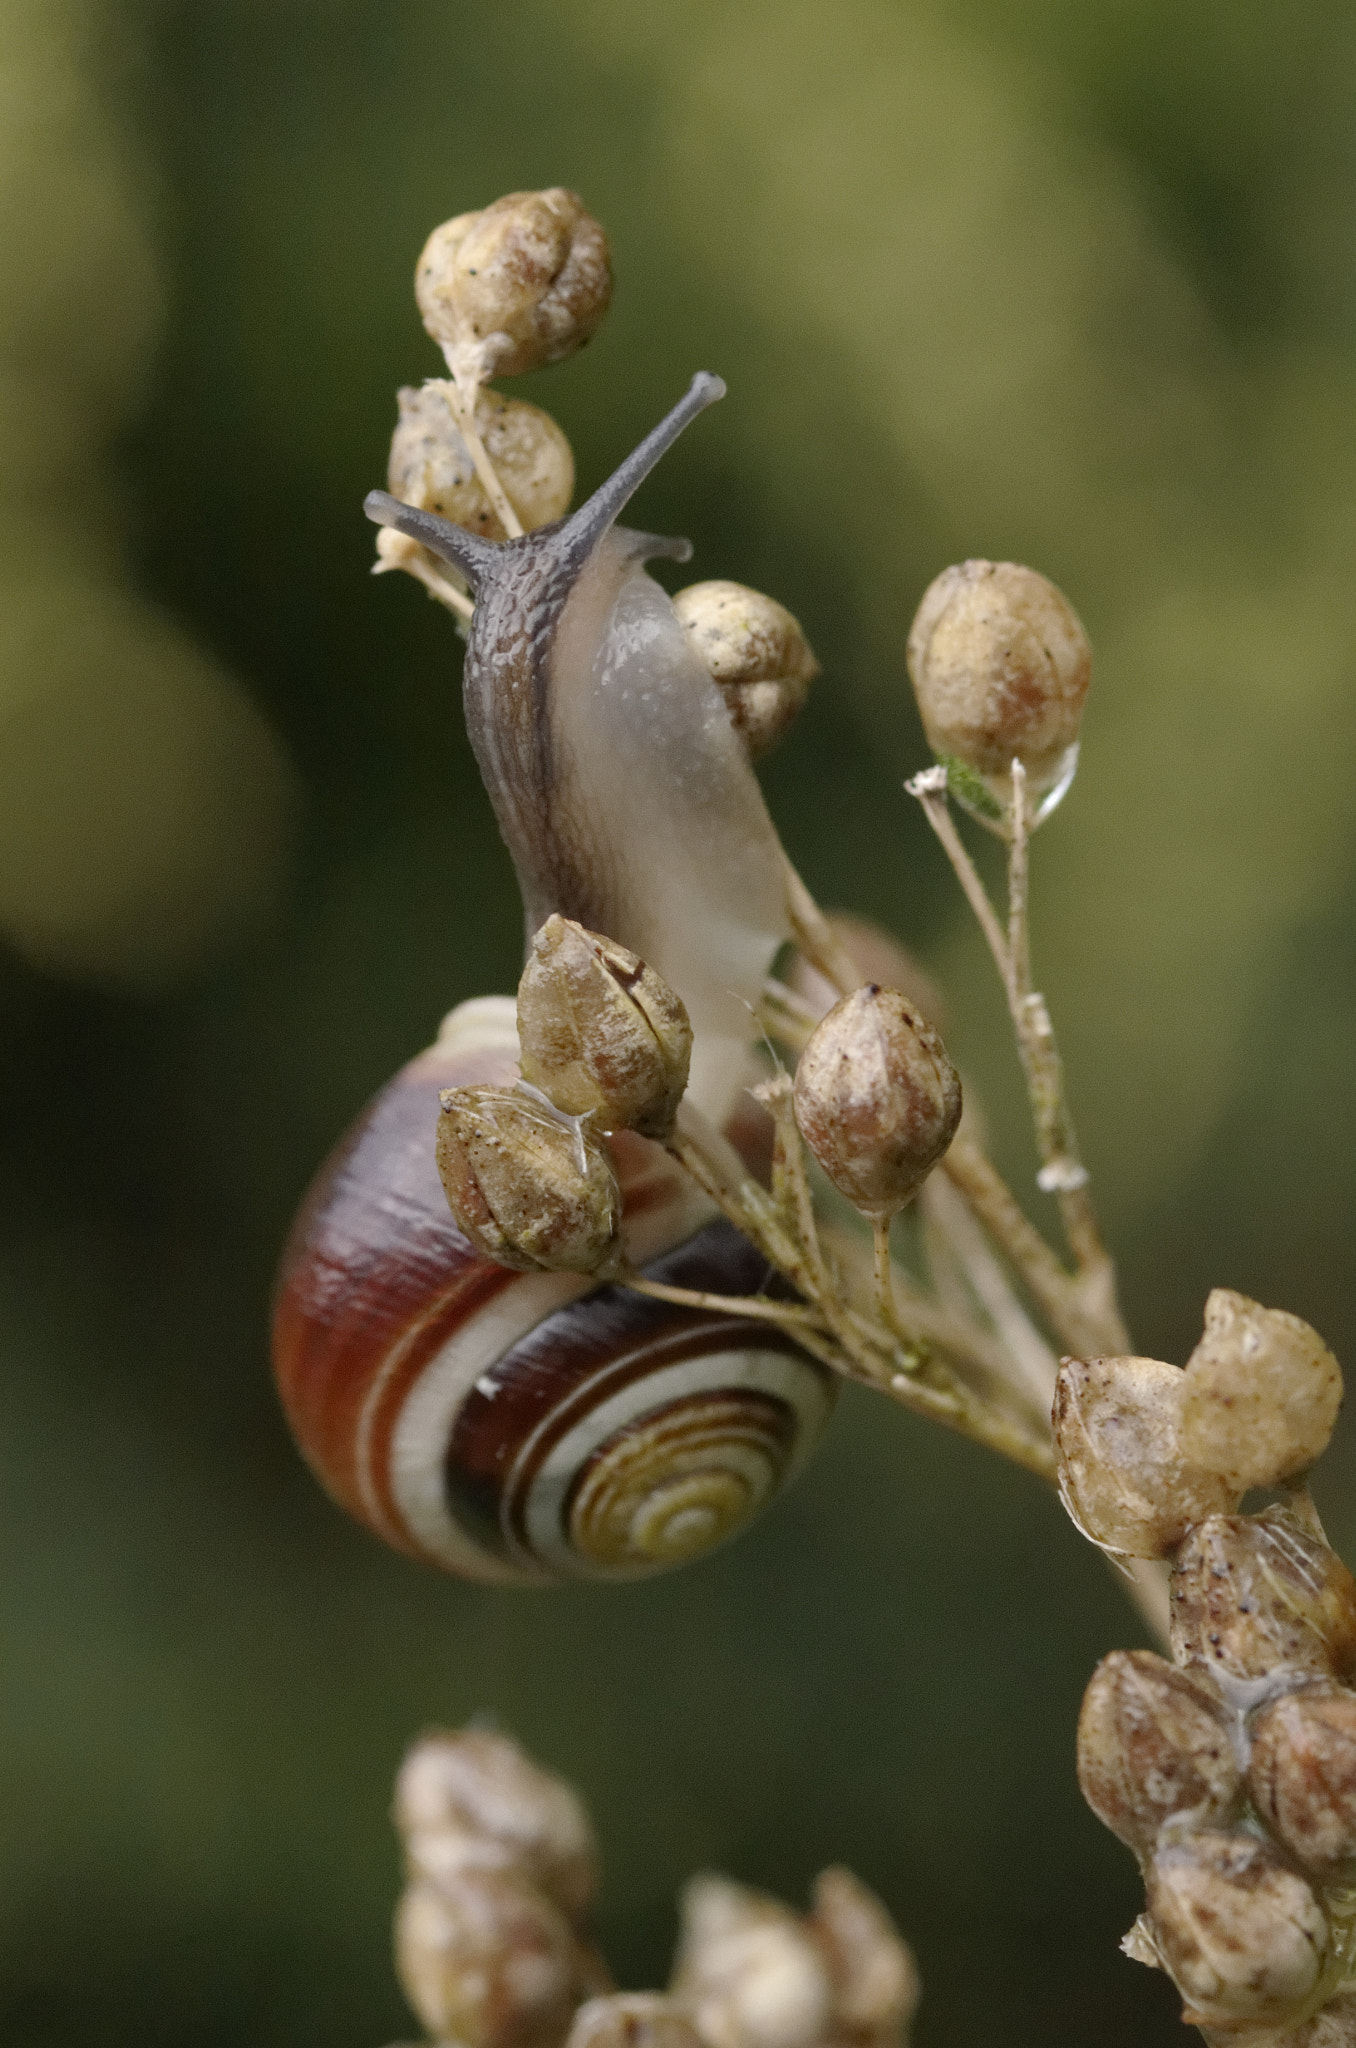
(632, 2019)
(531, 1189)
(1302, 1775)
(748, 1971)
(1262, 1393)
(523, 283)
(470, 1799)
(601, 1033)
(430, 467)
(877, 1099)
(1334, 2027)
(1122, 1474)
(871, 1966)
(755, 650)
(1152, 1744)
(1254, 1595)
(1000, 666)
(488, 1961)
(1242, 1936)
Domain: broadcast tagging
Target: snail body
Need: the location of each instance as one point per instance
(514, 1427)
(522, 1427)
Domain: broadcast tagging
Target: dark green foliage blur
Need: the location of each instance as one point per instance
(1073, 284)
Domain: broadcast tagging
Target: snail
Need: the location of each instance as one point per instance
(531, 1427)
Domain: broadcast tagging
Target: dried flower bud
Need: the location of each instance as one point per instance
(632, 2019)
(601, 1033)
(1122, 1474)
(748, 1971)
(431, 468)
(1151, 1744)
(1241, 1934)
(1302, 1775)
(488, 1961)
(470, 1799)
(1262, 1393)
(755, 650)
(531, 1188)
(1000, 666)
(871, 1966)
(877, 1099)
(1254, 1595)
(522, 283)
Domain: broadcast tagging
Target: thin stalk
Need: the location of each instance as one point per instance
(816, 937)
(795, 1315)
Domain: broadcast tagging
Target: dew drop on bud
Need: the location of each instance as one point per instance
(1000, 665)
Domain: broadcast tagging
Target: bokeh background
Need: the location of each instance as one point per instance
(1069, 284)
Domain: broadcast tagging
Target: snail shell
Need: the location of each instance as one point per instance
(514, 1427)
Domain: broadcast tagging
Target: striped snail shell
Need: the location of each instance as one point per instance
(514, 1427)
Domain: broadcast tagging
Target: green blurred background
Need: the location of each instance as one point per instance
(1072, 284)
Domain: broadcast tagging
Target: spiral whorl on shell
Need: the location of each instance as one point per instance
(515, 1427)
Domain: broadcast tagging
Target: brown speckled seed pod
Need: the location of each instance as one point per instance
(1256, 1595)
(1122, 1473)
(1241, 1934)
(1152, 1744)
(1302, 1775)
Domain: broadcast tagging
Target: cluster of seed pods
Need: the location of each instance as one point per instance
(493, 1951)
(1231, 1770)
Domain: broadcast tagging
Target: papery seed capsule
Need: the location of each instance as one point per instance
(632, 2019)
(1302, 1775)
(1122, 1473)
(871, 1967)
(748, 1971)
(1152, 1744)
(755, 650)
(1000, 666)
(531, 1189)
(877, 1099)
(527, 280)
(1254, 1595)
(431, 468)
(471, 1799)
(601, 1033)
(488, 1961)
(1241, 1934)
(1262, 1393)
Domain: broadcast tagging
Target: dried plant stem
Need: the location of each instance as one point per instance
(857, 1348)
(414, 564)
(795, 1315)
(885, 1293)
(1087, 1302)
(816, 937)
(461, 396)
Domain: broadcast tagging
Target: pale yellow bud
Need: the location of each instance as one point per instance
(1262, 1393)
(871, 1966)
(1241, 1934)
(748, 1971)
(1000, 666)
(632, 2019)
(532, 1189)
(1122, 1472)
(430, 467)
(1152, 1744)
(471, 1799)
(488, 1961)
(756, 652)
(522, 283)
(1302, 1776)
(877, 1098)
(1257, 1595)
(601, 1033)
